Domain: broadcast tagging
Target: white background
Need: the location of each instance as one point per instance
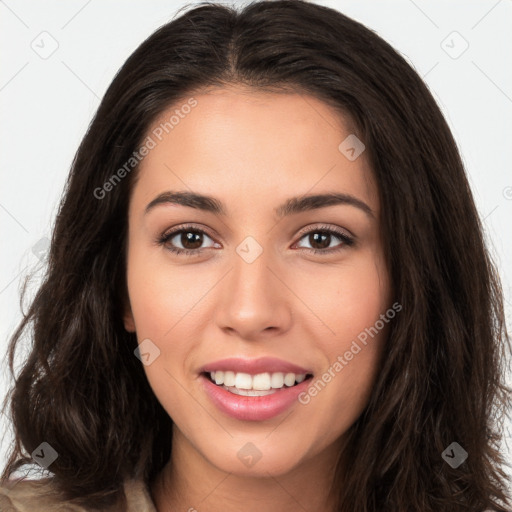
(47, 104)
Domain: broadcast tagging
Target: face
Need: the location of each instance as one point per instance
(269, 296)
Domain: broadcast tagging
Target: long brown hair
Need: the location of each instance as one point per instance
(83, 391)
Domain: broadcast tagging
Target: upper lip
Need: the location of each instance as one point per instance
(254, 366)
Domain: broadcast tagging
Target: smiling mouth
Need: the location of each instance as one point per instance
(261, 384)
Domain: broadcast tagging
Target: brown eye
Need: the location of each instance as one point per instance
(185, 240)
(320, 240)
(190, 239)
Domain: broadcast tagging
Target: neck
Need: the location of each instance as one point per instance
(189, 482)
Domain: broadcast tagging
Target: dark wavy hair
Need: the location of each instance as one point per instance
(83, 391)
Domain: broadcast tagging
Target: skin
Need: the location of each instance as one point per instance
(253, 150)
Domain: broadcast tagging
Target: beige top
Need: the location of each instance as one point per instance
(38, 496)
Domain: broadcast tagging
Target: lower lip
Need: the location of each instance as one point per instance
(253, 408)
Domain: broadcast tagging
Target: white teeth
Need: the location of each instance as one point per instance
(289, 379)
(277, 380)
(244, 383)
(229, 378)
(261, 382)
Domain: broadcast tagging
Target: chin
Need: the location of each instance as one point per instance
(258, 457)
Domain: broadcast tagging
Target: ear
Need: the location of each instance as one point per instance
(129, 323)
(128, 320)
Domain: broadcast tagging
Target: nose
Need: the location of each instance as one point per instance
(254, 301)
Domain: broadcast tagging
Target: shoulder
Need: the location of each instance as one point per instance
(40, 496)
(32, 496)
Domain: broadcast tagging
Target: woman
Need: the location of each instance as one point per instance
(267, 287)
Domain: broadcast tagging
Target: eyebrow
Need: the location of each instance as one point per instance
(291, 206)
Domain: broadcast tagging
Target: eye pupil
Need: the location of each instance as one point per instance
(191, 237)
(319, 238)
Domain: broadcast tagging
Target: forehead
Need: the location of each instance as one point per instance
(252, 144)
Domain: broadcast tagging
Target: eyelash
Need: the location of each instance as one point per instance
(162, 240)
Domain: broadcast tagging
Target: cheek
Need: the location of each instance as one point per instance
(161, 295)
(351, 307)
(159, 304)
(160, 316)
(358, 361)
(348, 300)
